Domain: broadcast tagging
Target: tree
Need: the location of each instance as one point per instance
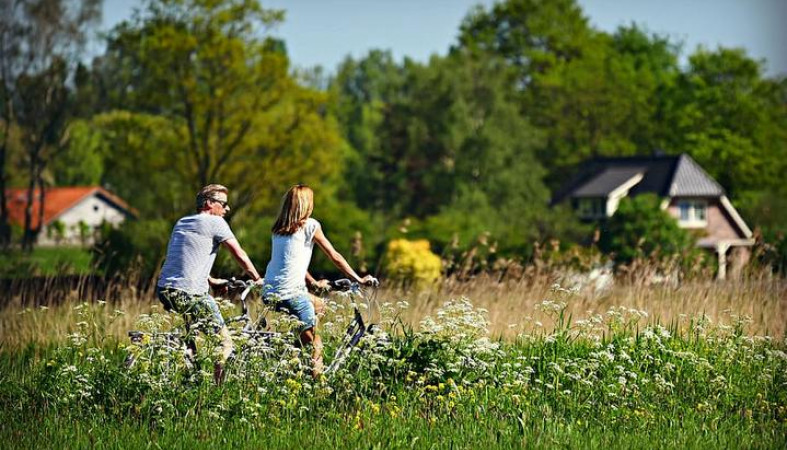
(363, 91)
(593, 94)
(443, 142)
(82, 162)
(534, 36)
(731, 120)
(200, 78)
(40, 44)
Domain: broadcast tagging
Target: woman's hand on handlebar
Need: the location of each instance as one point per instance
(369, 280)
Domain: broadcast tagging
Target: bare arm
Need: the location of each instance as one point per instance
(312, 282)
(219, 285)
(242, 258)
(335, 257)
(216, 281)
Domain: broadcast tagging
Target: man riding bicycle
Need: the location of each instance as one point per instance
(183, 285)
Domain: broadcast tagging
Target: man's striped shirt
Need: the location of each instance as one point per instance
(191, 252)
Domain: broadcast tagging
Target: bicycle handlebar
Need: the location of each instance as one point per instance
(342, 284)
(238, 284)
(346, 285)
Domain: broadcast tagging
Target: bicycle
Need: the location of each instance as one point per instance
(258, 341)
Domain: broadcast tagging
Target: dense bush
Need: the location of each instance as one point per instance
(768, 212)
(640, 229)
(138, 246)
(412, 262)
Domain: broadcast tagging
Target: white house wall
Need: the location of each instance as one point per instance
(93, 210)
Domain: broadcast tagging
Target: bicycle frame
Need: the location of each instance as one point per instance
(356, 330)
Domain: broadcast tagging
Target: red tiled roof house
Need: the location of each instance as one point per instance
(71, 214)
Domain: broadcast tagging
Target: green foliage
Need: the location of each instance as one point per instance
(731, 120)
(135, 248)
(428, 132)
(465, 146)
(770, 211)
(82, 163)
(57, 231)
(206, 97)
(640, 229)
(85, 231)
(412, 262)
(532, 35)
(140, 154)
(592, 93)
(443, 144)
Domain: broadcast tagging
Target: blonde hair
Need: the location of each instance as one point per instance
(209, 193)
(296, 206)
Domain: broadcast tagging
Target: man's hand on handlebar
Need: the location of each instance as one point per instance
(220, 286)
(322, 285)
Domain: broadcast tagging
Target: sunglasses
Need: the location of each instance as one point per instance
(223, 203)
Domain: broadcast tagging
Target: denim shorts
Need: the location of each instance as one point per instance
(301, 307)
(193, 307)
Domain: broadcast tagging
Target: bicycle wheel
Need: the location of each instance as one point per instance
(165, 354)
(255, 354)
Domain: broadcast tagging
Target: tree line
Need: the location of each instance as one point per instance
(468, 144)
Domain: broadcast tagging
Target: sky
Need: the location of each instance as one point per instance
(324, 32)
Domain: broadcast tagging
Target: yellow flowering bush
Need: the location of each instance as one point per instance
(412, 262)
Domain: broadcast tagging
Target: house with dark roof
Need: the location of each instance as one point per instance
(689, 195)
(71, 214)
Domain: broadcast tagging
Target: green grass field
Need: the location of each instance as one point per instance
(56, 261)
(610, 379)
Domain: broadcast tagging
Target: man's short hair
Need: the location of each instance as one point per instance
(209, 193)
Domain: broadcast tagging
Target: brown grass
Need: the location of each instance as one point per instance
(512, 306)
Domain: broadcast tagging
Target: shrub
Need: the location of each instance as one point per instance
(412, 262)
(768, 212)
(134, 246)
(640, 229)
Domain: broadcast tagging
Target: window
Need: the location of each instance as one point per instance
(592, 208)
(700, 211)
(685, 211)
(693, 213)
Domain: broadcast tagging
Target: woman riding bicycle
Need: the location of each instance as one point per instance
(294, 235)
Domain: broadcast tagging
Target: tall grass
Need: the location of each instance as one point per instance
(511, 305)
(610, 379)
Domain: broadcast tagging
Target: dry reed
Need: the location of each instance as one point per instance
(512, 306)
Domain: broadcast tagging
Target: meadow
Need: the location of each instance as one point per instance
(504, 364)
